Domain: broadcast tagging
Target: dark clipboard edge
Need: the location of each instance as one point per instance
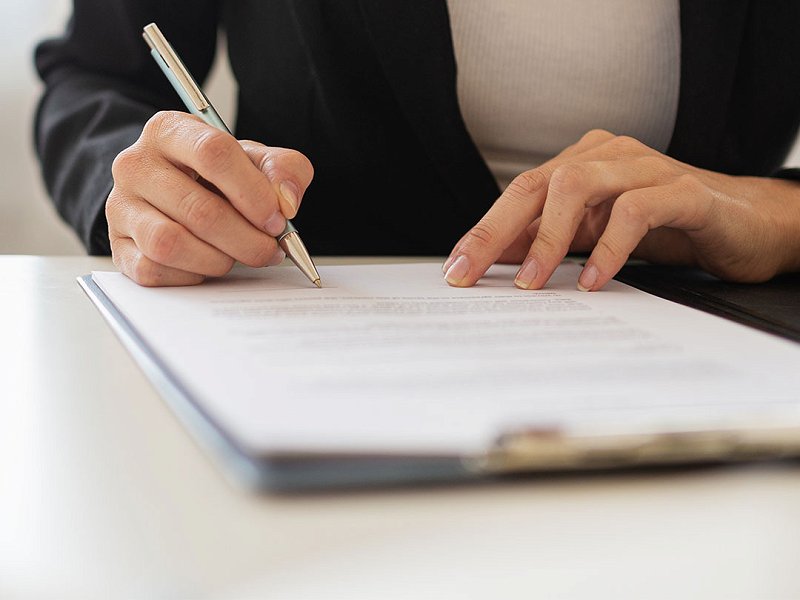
(718, 307)
(274, 474)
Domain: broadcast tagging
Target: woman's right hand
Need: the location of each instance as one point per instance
(189, 200)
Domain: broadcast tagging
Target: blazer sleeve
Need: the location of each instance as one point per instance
(100, 86)
(791, 173)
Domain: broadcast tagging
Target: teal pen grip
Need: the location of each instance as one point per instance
(209, 115)
(289, 229)
(187, 101)
(212, 117)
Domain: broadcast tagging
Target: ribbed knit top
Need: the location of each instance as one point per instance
(534, 75)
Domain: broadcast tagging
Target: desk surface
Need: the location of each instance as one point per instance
(104, 494)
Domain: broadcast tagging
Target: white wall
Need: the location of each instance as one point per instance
(28, 223)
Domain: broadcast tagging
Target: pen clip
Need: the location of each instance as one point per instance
(159, 44)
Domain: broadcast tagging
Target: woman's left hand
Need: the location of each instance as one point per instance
(616, 198)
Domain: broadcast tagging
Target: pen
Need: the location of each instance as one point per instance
(199, 105)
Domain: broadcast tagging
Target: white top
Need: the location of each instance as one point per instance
(533, 77)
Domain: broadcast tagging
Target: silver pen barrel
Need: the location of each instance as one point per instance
(198, 104)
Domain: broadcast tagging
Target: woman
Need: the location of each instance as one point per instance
(407, 157)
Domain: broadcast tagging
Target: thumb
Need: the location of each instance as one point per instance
(289, 171)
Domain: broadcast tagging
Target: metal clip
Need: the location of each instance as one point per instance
(552, 449)
(158, 43)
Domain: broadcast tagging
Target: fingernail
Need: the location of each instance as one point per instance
(275, 224)
(277, 258)
(457, 271)
(291, 194)
(526, 274)
(447, 264)
(587, 279)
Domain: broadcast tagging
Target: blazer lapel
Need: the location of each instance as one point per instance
(711, 37)
(413, 42)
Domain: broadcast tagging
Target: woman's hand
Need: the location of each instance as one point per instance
(615, 197)
(189, 200)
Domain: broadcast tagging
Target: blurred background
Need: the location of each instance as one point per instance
(28, 222)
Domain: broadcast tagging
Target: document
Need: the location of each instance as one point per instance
(389, 359)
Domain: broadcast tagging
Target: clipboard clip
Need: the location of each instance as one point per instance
(551, 449)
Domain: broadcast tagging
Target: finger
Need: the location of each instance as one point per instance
(519, 204)
(519, 248)
(209, 217)
(168, 243)
(683, 205)
(667, 247)
(590, 140)
(144, 271)
(515, 252)
(573, 188)
(218, 158)
(591, 228)
(289, 171)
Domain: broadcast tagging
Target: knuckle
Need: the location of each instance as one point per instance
(222, 267)
(112, 208)
(214, 149)
(159, 124)
(116, 252)
(595, 136)
(250, 146)
(653, 163)
(690, 184)
(629, 207)
(162, 240)
(699, 200)
(266, 162)
(259, 255)
(483, 233)
(144, 271)
(203, 211)
(119, 214)
(568, 178)
(547, 242)
(624, 144)
(656, 168)
(610, 247)
(527, 183)
(292, 162)
(300, 164)
(126, 163)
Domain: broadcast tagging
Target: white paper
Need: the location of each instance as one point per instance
(389, 358)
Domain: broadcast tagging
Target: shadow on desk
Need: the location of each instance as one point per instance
(773, 306)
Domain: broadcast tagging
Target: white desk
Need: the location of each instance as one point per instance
(104, 494)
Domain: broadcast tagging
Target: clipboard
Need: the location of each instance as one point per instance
(259, 473)
(514, 450)
(772, 306)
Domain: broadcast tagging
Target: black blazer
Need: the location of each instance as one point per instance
(366, 88)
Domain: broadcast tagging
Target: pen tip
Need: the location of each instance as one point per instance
(317, 283)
